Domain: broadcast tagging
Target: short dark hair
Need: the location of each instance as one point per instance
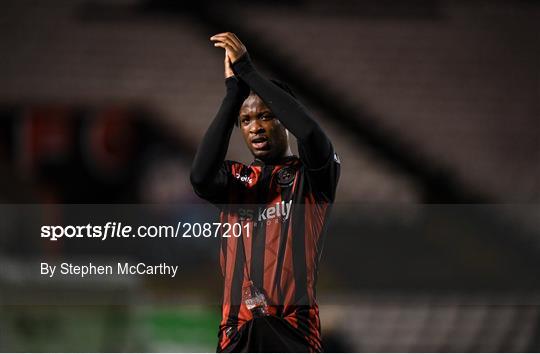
(282, 85)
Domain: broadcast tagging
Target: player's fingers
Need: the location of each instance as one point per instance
(220, 35)
(228, 38)
(217, 34)
(240, 48)
(228, 41)
(235, 40)
(222, 45)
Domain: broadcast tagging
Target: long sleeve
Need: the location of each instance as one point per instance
(314, 146)
(208, 174)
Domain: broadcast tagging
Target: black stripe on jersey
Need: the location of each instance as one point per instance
(237, 282)
(301, 301)
(298, 245)
(258, 244)
(286, 194)
(224, 242)
(320, 245)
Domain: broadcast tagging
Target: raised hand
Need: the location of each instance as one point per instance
(228, 69)
(234, 49)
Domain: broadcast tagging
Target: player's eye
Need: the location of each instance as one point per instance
(244, 121)
(267, 116)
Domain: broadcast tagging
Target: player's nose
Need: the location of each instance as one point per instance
(256, 127)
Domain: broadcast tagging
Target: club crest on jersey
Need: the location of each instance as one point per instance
(285, 176)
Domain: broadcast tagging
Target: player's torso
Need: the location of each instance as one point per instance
(279, 250)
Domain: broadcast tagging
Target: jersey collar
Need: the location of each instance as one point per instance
(276, 162)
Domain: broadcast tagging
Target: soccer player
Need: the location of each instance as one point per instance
(270, 273)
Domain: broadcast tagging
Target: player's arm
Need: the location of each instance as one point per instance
(208, 173)
(316, 148)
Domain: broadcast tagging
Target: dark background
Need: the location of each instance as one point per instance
(433, 107)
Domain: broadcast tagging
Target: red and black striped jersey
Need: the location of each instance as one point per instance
(286, 207)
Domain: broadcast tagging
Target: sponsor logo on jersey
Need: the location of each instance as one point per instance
(245, 179)
(279, 210)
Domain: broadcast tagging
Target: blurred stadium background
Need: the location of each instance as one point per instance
(433, 106)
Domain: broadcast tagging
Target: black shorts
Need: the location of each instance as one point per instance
(268, 334)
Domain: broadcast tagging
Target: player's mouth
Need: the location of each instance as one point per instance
(260, 142)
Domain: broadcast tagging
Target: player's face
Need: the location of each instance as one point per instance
(263, 133)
